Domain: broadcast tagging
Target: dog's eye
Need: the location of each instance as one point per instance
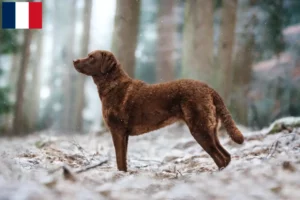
(92, 58)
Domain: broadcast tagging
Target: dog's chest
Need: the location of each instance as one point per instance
(115, 113)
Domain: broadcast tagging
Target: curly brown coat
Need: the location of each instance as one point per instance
(132, 107)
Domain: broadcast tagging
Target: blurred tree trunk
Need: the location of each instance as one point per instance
(81, 78)
(126, 32)
(226, 43)
(13, 74)
(15, 64)
(18, 110)
(198, 40)
(52, 116)
(34, 98)
(165, 69)
(33, 93)
(242, 77)
(276, 21)
(69, 72)
(1, 19)
(242, 63)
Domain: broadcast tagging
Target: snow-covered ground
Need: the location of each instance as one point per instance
(165, 164)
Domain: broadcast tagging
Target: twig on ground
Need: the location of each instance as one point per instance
(68, 175)
(178, 172)
(274, 149)
(144, 160)
(275, 144)
(175, 171)
(91, 167)
(81, 149)
(142, 166)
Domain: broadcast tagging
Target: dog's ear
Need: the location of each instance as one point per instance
(108, 63)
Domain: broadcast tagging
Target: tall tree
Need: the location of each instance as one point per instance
(69, 71)
(165, 69)
(146, 47)
(198, 40)
(12, 77)
(13, 73)
(226, 43)
(9, 45)
(52, 114)
(85, 40)
(273, 39)
(18, 110)
(243, 61)
(34, 98)
(126, 32)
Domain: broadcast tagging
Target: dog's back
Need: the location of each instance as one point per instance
(152, 106)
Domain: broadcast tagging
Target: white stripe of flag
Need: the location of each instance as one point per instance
(22, 15)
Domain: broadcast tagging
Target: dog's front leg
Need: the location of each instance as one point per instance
(120, 143)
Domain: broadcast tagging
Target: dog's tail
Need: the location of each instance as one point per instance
(227, 120)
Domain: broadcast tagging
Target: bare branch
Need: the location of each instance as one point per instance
(91, 167)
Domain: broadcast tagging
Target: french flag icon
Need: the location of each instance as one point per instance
(22, 15)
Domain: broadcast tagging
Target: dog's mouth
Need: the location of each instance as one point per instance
(78, 65)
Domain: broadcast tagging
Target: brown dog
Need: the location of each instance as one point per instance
(132, 107)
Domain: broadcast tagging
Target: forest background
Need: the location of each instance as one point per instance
(248, 50)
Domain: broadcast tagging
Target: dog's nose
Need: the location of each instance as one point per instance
(75, 61)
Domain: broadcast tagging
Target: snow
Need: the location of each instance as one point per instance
(164, 164)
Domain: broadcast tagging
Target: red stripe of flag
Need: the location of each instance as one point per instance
(35, 15)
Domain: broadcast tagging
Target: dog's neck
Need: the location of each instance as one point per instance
(105, 85)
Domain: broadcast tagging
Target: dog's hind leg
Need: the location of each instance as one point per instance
(225, 153)
(121, 143)
(201, 123)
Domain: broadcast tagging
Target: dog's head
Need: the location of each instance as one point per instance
(97, 63)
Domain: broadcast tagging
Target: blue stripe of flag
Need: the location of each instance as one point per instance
(8, 15)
